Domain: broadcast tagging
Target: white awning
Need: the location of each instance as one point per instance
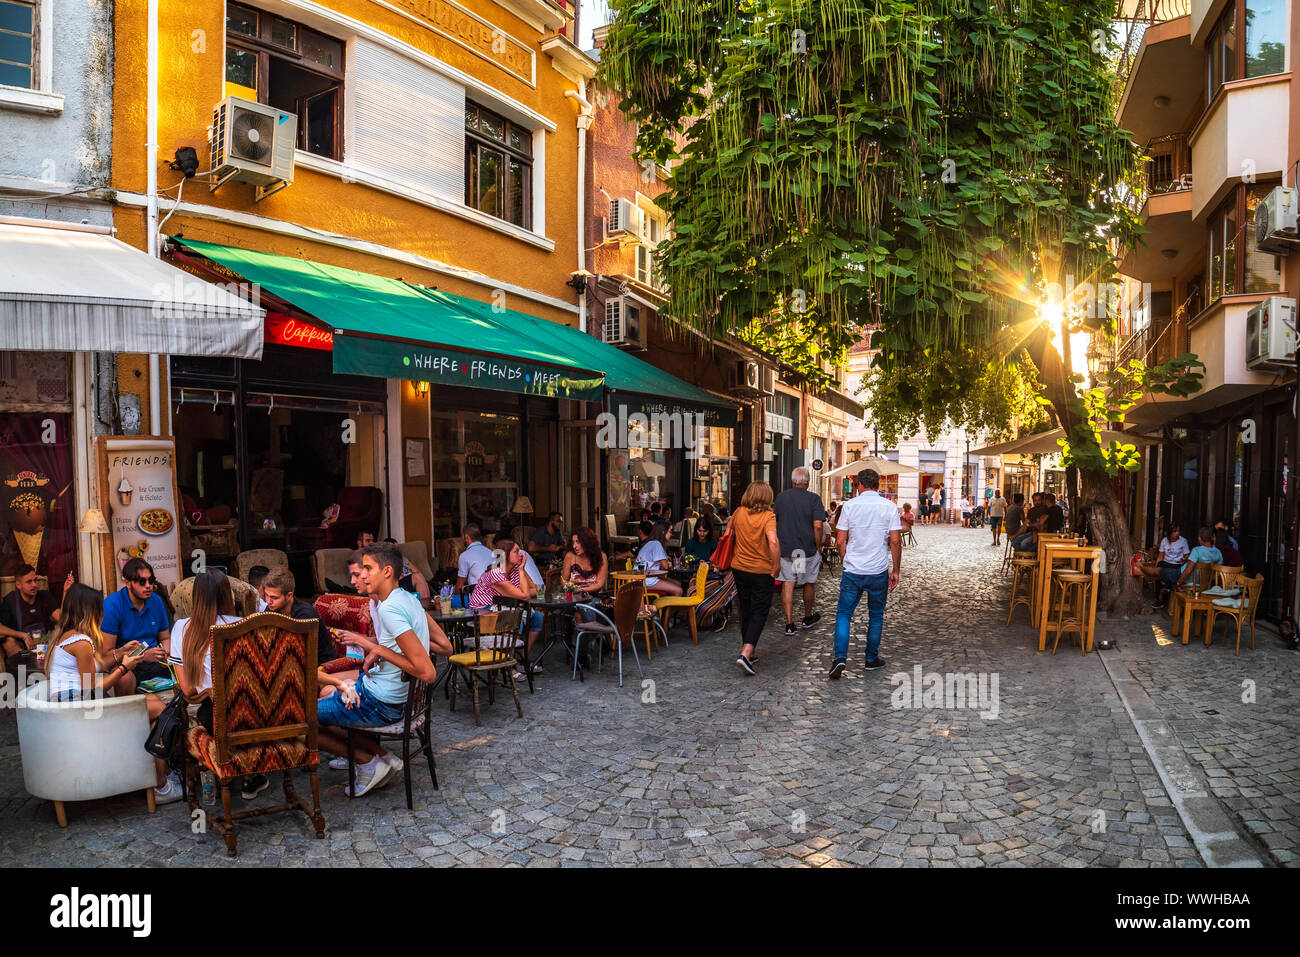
(74, 288)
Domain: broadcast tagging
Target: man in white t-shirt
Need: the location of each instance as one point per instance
(997, 511)
(867, 534)
(379, 695)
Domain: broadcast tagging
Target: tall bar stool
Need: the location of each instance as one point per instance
(1007, 555)
(1022, 586)
(1071, 614)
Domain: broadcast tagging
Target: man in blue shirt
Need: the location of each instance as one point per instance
(1203, 552)
(137, 613)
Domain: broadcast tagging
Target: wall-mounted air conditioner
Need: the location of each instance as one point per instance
(625, 219)
(623, 326)
(1276, 221)
(751, 379)
(1270, 334)
(253, 143)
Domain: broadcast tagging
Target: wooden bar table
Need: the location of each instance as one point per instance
(1066, 550)
(1043, 540)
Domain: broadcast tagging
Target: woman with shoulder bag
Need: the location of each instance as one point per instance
(755, 566)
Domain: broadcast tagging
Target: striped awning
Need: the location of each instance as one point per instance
(66, 287)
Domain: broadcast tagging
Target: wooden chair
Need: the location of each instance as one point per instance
(414, 724)
(668, 604)
(613, 539)
(908, 537)
(263, 716)
(1241, 609)
(499, 633)
(647, 614)
(627, 606)
(270, 557)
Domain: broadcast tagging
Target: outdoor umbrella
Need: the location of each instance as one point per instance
(881, 466)
(1045, 442)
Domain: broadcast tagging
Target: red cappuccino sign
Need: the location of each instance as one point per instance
(291, 332)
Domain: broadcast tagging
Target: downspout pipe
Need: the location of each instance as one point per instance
(585, 114)
(151, 189)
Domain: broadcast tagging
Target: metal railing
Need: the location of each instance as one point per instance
(1169, 169)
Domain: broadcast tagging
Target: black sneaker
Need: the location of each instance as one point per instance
(875, 665)
(254, 784)
(837, 668)
(790, 629)
(810, 620)
(746, 665)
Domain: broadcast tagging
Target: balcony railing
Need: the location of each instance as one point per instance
(1132, 19)
(1170, 167)
(1153, 344)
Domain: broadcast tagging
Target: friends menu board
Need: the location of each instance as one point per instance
(138, 485)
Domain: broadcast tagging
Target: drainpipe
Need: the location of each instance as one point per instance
(151, 189)
(585, 114)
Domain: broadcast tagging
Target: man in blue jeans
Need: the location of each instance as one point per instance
(868, 533)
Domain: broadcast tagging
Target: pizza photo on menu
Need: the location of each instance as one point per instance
(155, 521)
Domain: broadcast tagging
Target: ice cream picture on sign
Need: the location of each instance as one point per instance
(124, 489)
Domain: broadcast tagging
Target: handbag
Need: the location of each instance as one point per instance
(167, 736)
(724, 552)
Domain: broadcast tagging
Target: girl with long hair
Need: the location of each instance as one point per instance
(702, 542)
(511, 581)
(653, 557)
(75, 660)
(585, 564)
(755, 566)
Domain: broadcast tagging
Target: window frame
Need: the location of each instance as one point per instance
(264, 50)
(1232, 21)
(38, 81)
(1234, 205)
(476, 141)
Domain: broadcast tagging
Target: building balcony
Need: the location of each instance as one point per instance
(1242, 134)
(1165, 79)
(1218, 338)
(1171, 239)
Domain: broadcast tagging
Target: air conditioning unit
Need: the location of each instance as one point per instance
(253, 143)
(623, 323)
(625, 218)
(1270, 334)
(751, 379)
(1276, 221)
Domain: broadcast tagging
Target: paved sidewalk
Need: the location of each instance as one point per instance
(707, 766)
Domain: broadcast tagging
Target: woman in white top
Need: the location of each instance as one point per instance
(75, 661)
(653, 557)
(192, 639)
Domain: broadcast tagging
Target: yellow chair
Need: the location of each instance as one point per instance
(1240, 609)
(667, 604)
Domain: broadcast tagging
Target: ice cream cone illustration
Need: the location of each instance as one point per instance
(124, 489)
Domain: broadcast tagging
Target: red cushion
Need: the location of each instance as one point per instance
(250, 759)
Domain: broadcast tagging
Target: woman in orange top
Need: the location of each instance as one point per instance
(755, 565)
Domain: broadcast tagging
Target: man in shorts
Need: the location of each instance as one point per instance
(997, 511)
(799, 518)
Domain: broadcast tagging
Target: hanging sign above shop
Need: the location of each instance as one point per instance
(283, 331)
(355, 355)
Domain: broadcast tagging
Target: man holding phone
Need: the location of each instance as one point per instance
(137, 613)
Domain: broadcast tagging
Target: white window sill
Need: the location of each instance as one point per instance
(350, 174)
(30, 101)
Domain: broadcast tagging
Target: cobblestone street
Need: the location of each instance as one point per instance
(707, 766)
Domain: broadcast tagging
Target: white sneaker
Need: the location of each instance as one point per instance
(169, 792)
(339, 764)
(395, 766)
(367, 776)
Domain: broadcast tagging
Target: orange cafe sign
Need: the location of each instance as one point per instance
(283, 331)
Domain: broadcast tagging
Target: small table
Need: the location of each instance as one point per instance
(1076, 555)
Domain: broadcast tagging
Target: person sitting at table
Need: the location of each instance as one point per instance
(653, 557)
(709, 517)
(1054, 521)
(27, 610)
(907, 518)
(1205, 551)
(585, 564)
(410, 578)
(473, 562)
(256, 575)
(548, 541)
(1227, 547)
(511, 581)
(1033, 523)
(378, 696)
(702, 543)
(1173, 552)
(191, 653)
(137, 613)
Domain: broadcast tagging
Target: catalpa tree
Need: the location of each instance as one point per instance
(920, 171)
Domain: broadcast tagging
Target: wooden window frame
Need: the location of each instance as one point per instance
(265, 50)
(476, 141)
(1234, 14)
(1236, 203)
(36, 40)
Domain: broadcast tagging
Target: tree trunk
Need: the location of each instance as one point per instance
(1120, 593)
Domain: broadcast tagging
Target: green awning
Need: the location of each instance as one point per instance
(395, 329)
(630, 382)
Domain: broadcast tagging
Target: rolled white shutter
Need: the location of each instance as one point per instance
(405, 123)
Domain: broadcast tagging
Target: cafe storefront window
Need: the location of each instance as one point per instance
(476, 460)
(38, 524)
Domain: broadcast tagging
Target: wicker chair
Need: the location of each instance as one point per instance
(245, 595)
(263, 716)
(270, 557)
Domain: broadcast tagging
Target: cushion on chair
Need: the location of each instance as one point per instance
(398, 726)
(249, 759)
(468, 659)
(1217, 592)
(1228, 602)
(349, 612)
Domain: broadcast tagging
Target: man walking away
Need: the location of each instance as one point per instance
(997, 511)
(868, 533)
(799, 518)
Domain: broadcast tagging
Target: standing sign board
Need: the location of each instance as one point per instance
(138, 481)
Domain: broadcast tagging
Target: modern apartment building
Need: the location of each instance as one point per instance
(1210, 95)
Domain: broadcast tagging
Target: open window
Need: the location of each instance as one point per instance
(286, 65)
